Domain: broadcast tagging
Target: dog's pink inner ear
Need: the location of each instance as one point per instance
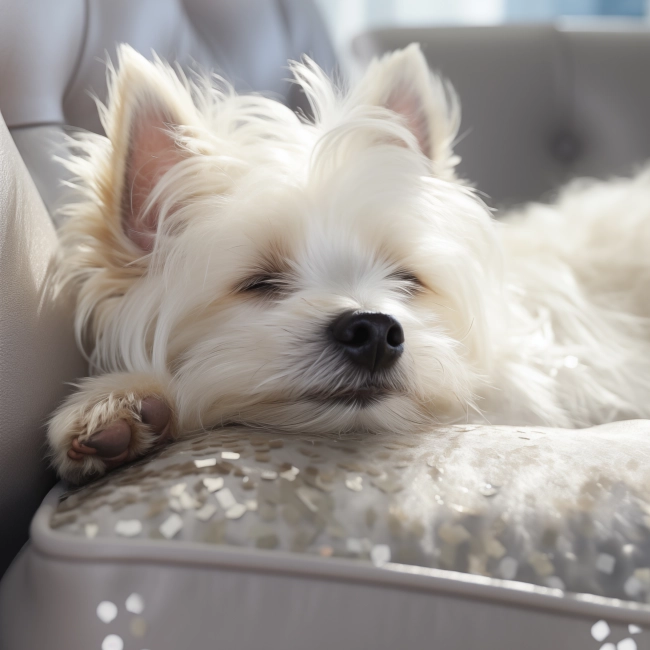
(152, 152)
(406, 101)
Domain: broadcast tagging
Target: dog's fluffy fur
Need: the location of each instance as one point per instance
(217, 236)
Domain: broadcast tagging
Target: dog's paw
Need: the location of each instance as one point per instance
(99, 429)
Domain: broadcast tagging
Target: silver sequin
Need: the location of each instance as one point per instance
(213, 484)
(106, 611)
(605, 563)
(600, 630)
(205, 462)
(170, 527)
(236, 511)
(206, 512)
(225, 498)
(135, 604)
(91, 530)
(112, 642)
(380, 554)
(354, 483)
(128, 527)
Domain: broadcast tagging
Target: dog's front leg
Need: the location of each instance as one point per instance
(112, 419)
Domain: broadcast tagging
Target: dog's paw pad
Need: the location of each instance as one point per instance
(111, 445)
(111, 441)
(156, 413)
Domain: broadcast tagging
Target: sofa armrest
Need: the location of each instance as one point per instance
(38, 355)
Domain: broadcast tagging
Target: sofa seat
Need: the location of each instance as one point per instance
(238, 539)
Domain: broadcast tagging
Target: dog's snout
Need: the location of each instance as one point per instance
(372, 340)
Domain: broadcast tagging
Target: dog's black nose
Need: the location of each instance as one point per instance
(374, 341)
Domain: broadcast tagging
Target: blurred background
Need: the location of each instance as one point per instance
(346, 18)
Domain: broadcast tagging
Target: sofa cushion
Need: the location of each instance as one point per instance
(465, 512)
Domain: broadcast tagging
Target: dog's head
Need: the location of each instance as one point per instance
(313, 275)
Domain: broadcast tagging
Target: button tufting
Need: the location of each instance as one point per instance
(565, 147)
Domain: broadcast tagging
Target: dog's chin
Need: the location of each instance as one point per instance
(357, 398)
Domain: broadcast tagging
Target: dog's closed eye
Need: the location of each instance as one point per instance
(406, 282)
(264, 284)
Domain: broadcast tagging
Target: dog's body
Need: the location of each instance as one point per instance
(236, 264)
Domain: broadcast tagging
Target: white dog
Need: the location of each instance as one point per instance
(238, 264)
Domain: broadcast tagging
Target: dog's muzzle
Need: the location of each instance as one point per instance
(371, 340)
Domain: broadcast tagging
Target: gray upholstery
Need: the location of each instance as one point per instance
(541, 104)
(321, 542)
(37, 349)
(51, 55)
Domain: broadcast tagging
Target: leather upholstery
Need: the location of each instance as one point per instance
(37, 349)
(541, 104)
(51, 55)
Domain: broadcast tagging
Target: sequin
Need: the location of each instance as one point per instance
(205, 462)
(225, 498)
(605, 563)
(134, 604)
(600, 630)
(178, 489)
(508, 568)
(91, 530)
(230, 455)
(354, 483)
(170, 527)
(128, 527)
(112, 642)
(206, 512)
(236, 511)
(634, 629)
(188, 502)
(213, 484)
(290, 474)
(626, 644)
(176, 505)
(380, 554)
(106, 611)
(632, 587)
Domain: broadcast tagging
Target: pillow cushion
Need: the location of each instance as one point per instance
(492, 523)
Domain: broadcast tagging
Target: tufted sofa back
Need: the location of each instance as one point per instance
(541, 104)
(53, 58)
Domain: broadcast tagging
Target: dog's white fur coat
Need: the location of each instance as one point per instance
(197, 198)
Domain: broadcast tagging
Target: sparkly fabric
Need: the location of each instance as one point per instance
(564, 509)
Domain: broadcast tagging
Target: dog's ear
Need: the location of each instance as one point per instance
(147, 104)
(401, 81)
